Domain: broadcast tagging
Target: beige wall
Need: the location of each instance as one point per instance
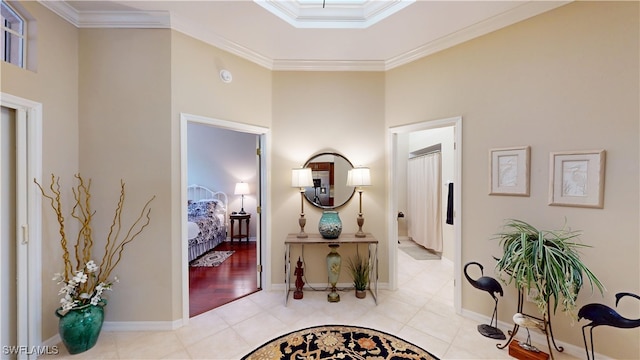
(125, 133)
(564, 80)
(54, 83)
(326, 111)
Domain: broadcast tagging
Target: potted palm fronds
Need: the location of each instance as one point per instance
(545, 261)
(359, 270)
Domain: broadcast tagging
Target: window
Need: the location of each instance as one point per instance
(13, 36)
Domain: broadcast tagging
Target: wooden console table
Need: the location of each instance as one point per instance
(316, 239)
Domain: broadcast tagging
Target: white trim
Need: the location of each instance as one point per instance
(265, 247)
(392, 145)
(33, 216)
(162, 19)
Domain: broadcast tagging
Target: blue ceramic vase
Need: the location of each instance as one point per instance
(330, 225)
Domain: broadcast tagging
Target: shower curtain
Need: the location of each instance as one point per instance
(424, 203)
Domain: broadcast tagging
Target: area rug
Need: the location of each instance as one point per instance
(338, 342)
(418, 252)
(212, 258)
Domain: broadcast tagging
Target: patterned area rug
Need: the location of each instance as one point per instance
(338, 342)
(212, 258)
(418, 252)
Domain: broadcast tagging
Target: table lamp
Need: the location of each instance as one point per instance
(301, 178)
(242, 188)
(359, 177)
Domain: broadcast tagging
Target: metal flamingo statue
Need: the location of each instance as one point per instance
(601, 314)
(492, 286)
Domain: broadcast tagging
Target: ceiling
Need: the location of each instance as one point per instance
(354, 35)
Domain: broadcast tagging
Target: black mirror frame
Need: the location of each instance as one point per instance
(335, 206)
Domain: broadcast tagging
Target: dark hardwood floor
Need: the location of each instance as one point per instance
(210, 287)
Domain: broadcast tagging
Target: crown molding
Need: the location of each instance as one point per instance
(162, 19)
(526, 10)
(328, 65)
(109, 19)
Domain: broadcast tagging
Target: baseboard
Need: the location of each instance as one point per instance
(310, 287)
(536, 337)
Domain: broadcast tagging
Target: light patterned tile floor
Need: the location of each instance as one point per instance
(420, 311)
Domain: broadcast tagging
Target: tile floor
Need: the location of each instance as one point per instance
(421, 313)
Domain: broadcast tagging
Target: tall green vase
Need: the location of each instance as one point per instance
(80, 327)
(334, 261)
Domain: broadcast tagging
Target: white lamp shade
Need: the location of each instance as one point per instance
(360, 176)
(301, 177)
(242, 188)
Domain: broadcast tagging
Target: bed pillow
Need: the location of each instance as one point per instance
(205, 207)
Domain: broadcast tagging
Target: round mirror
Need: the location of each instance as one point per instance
(330, 188)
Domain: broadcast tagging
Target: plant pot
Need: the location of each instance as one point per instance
(80, 327)
(361, 294)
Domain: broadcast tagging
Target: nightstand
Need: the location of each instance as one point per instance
(240, 218)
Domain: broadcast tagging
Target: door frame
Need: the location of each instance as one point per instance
(263, 243)
(28, 219)
(393, 132)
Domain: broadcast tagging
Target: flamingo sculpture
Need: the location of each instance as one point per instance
(492, 286)
(601, 314)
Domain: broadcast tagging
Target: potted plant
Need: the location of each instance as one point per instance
(359, 269)
(546, 261)
(83, 279)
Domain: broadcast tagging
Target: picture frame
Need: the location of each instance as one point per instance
(576, 178)
(509, 171)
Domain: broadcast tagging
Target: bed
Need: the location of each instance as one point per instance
(207, 219)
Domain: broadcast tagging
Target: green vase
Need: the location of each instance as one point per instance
(330, 225)
(80, 327)
(334, 261)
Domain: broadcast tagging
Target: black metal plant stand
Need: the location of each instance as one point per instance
(546, 330)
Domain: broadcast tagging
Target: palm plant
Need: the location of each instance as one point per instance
(546, 261)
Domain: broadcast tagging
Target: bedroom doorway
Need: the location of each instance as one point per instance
(447, 133)
(224, 156)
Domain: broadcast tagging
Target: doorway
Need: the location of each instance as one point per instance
(21, 162)
(399, 143)
(252, 202)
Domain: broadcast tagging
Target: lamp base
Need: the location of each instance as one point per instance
(360, 233)
(302, 222)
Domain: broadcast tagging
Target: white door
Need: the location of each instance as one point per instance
(20, 280)
(13, 250)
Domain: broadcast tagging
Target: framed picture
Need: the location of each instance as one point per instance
(576, 178)
(509, 172)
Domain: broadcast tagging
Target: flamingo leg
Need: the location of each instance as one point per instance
(593, 354)
(584, 337)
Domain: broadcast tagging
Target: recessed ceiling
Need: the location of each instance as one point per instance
(400, 31)
(333, 14)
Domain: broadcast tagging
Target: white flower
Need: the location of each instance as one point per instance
(85, 296)
(58, 277)
(92, 267)
(95, 300)
(80, 277)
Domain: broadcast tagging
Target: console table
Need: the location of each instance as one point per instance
(344, 239)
